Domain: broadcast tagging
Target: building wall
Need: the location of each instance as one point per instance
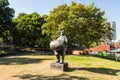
(113, 25)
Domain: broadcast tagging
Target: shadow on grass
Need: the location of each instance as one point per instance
(107, 71)
(58, 77)
(20, 60)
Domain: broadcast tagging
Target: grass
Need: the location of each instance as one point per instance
(37, 67)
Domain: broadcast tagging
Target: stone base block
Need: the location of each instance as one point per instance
(59, 66)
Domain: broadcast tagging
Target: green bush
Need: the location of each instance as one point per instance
(100, 54)
(110, 55)
(3, 52)
(107, 55)
(1, 40)
(6, 52)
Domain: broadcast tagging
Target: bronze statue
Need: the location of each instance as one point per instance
(59, 47)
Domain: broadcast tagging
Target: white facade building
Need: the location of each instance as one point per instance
(113, 25)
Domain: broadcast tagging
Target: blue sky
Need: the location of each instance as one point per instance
(111, 8)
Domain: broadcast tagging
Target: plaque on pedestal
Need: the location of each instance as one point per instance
(59, 66)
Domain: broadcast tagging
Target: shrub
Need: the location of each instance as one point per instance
(107, 55)
(6, 52)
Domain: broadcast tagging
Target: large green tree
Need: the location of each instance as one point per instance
(84, 24)
(28, 29)
(6, 16)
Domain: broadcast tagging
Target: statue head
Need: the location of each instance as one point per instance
(62, 33)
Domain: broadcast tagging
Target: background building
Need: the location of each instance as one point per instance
(113, 25)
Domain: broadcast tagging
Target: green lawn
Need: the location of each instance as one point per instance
(37, 67)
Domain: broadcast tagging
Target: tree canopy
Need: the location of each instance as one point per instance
(83, 24)
(28, 27)
(6, 16)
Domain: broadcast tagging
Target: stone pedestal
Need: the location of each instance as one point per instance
(59, 66)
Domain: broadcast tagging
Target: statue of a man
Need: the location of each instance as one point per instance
(62, 52)
(59, 46)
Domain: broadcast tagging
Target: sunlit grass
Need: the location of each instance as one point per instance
(91, 61)
(37, 66)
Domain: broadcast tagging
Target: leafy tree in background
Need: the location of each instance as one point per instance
(83, 24)
(28, 28)
(55, 21)
(6, 16)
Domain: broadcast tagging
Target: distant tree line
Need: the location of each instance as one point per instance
(85, 26)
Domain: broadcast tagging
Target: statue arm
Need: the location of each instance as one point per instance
(66, 40)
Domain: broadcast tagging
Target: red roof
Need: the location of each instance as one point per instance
(102, 48)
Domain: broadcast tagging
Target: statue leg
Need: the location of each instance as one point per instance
(62, 58)
(58, 57)
(63, 55)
